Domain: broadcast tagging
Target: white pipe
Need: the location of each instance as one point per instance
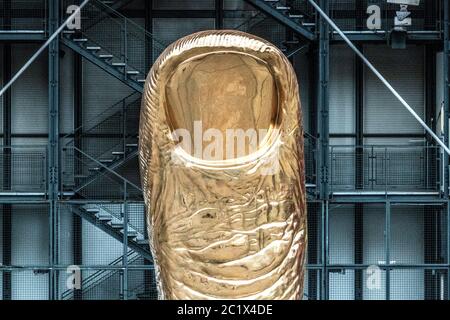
(41, 49)
(380, 76)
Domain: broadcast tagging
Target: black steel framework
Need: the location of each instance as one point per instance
(71, 177)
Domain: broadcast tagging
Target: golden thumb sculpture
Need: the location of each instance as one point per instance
(221, 159)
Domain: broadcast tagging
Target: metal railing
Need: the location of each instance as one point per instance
(23, 168)
(113, 141)
(104, 183)
(385, 168)
(21, 15)
(98, 277)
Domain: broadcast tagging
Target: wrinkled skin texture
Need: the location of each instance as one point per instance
(231, 228)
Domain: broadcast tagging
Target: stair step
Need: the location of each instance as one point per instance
(80, 40)
(69, 31)
(309, 24)
(131, 233)
(106, 160)
(104, 217)
(106, 56)
(119, 64)
(80, 176)
(132, 145)
(93, 48)
(92, 210)
(296, 16)
(282, 8)
(142, 241)
(141, 80)
(94, 169)
(116, 225)
(107, 2)
(117, 153)
(291, 42)
(132, 72)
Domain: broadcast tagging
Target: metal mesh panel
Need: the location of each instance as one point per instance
(23, 169)
(384, 168)
(23, 15)
(29, 96)
(357, 283)
(418, 234)
(260, 25)
(356, 234)
(26, 284)
(171, 29)
(142, 285)
(108, 286)
(314, 233)
(418, 284)
(29, 235)
(312, 284)
(183, 5)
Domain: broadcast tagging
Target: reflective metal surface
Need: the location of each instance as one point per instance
(227, 219)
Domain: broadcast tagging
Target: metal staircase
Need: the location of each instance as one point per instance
(114, 43)
(101, 276)
(112, 142)
(291, 13)
(114, 225)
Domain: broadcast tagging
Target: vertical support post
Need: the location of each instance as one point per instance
(359, 164)
(432, 250)
(6, 154)
(447, 239)
(387, 239)
(78, 121)
(323, 102)
(53, 147)
(431, 156)
(149, 27)
(359, 125)
(446, 93)
(325, 255)
(313, 246)
(125, 241)
(358, 249)
(219, 14)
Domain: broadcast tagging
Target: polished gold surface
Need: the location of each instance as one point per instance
(226, 220)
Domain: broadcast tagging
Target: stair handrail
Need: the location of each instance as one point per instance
(91, 278)
(129, 21)
(103, 174)
(108, 273)
(100, 114)
(106, 168)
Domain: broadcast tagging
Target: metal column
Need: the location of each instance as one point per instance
(6, 171)
(323, 103)
(446, 92)
(219, 14)
(53, 134)
(77, 222)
